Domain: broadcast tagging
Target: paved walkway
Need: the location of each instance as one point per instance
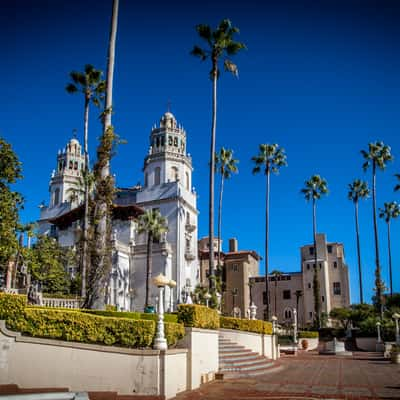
(311, 376)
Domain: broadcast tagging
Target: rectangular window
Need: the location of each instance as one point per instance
(264, 297)
(334, 264)
(235, 267)
(336, 289)
(329, 248)
(308, 266)
(320, 266)
(310, 314)
(309, 285)
(286, 295)
(323, 299)
(311, 250)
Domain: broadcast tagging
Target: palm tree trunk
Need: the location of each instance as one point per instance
(103, 227)
(220, 220)
(212, 168)
(267, 313)
(149, 266)
(86, 200)
(276, 288)
(316, 280)
(378, 280)
(390, 259)
(358, 252)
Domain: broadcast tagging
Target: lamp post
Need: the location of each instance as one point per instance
(253, 311)
(171, 285)
(378, 328)
(274, 319)
(396, 317)
(207, 296)
(160, 343)
(218, 301)
(234, 294)
(294, 325)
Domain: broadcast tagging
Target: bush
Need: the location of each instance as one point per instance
(249, 325)
(132, 315)
(196, 316)
(11, 306)
(85, 327)
(307, 334)
(173, 332)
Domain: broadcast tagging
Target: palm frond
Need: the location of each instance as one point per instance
(199, 52)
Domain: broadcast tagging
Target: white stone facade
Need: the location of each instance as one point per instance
(167, 187)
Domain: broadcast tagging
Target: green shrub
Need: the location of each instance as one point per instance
(173, 332)
(249, 325)
(110, 307)
(86, 328)
(197, 316)
(307, 334)
(11, 305)
(132, 315)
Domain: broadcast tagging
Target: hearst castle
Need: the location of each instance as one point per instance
(179, 255)
(167, 187)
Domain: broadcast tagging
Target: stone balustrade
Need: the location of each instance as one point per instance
(64, 303)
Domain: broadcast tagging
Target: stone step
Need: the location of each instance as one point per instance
(251, 373)
(245, 357)
(248, 367)
(230, 347)
(238, 363)
(234, 351)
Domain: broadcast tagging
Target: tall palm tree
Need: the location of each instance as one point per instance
(220, 44)
(377, 156)
(270, 158)
(154, 224)
(226, 165)
(101, 252)
(276, 274)
(313, 190)
(91, 84)
(397, 187)
(358, 189)
(390, 210)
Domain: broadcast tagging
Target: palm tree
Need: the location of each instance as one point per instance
(220, 44)
(377, 156)
(225, 164)
(390, 210)
(101, 253)
(313, 190)
(358, 190)
(298, 294)
(397, 187)
(154, 224)
(270, 158)
(92, 86)
(276, 274)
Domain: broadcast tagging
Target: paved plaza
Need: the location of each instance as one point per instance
(311, 376)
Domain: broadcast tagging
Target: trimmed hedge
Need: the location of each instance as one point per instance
(307, 334)
(132, 315)
(77, 326)
(249, 325)
(197, 316)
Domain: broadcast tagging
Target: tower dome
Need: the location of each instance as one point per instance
(168, 121)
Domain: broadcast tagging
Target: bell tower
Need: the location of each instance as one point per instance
(67, 175)
(167, 160)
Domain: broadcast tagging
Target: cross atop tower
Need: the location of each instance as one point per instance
(169, 105)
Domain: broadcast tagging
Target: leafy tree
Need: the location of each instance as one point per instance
(100, 260)
(390, 211)
(226, 165)
(342, 315)
(270, 158)
(47, 265)
(358, 189)
(154, 224)
(90, 84)
(313, 190)
(276, 274)
(377, 156)
(220, 44)
(10, 204)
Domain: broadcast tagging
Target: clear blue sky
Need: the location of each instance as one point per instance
(321, 78)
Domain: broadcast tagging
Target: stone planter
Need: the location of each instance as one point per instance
(395, 357)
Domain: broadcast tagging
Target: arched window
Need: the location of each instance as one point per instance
(174, 174)
(187, 181)
(56, 196)
(288, 314)
(75, 165)
(71, 164)
(157, 175)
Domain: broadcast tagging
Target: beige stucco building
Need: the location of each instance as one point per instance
(294, 290)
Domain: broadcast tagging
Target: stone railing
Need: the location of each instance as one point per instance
(64, 303)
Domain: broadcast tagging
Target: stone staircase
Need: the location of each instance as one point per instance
(236, 361)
